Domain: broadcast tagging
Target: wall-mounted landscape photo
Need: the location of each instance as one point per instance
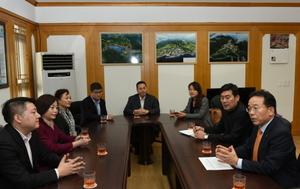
(228, 47)
(121, 48)
(176, 48)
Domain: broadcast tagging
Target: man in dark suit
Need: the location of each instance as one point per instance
(93, 106)
(21, 152)
(234, 126)
(270, 149)
(142, 104)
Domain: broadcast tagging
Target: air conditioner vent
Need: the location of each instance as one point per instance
(57, 61)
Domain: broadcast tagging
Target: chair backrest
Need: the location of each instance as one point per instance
(75, 109)
(298, 163)
(215, 102)
(286, 122)
(1, 127)
(215, 115)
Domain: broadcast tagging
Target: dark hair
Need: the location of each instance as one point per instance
(199, 97)
(230, 86)
(140, 82)
(44, 102)
(15, 106)
(95, 86)
(59, 93)
(269, 99)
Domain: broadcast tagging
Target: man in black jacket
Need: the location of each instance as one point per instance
(21, 152)
(235, 125)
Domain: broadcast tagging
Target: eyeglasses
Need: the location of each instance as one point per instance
(98, 93)
(255, 109)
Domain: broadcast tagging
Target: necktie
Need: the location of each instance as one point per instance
(98, 107)
(256, 145)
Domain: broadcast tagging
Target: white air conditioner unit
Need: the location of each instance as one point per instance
(54, 71)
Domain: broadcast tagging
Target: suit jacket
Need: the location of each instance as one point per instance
(235, 125)
(276, 154)
(151, 103)
(89, 111)
(15, 167)
(199, 113)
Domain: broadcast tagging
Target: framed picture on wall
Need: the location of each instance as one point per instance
(228, 47)
(3, 58)
(121, 48)
(176, 48)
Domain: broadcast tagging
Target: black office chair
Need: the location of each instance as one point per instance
(75, 109)
(215, 102)
(1, 127)
(286, 122)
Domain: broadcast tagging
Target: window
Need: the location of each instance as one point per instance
(22, 67)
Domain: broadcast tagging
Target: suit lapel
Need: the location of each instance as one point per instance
(93, 105)
(18, 139)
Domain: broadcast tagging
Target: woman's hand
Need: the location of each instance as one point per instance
(180, 115)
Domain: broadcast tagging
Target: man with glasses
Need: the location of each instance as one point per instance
(93, 106)
(270, 150)
(235, 125)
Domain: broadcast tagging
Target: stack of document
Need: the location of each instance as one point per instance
(188, 132)
(212, 163)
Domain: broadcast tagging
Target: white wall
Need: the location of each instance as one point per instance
(20, 7)
(173, 86)
(273, 76)
(166, 14)
(120, 83)
(5, 95)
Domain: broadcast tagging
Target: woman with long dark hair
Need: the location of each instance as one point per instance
(197, 106)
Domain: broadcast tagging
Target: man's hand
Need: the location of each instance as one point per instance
(70, 166)
(226, 155)
(200, 134)
(141, 111)
(110, 117)
(198, 128)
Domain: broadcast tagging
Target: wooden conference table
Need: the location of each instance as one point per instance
(179, 157)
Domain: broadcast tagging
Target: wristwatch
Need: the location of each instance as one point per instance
(206, 136)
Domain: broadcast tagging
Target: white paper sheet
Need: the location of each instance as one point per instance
(188, 132)
(212, 163)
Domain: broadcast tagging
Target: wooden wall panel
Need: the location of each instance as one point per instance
(149, 71)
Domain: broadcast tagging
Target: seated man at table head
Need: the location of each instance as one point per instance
(270, 149)
(142, 103)
(21, 151)
(93, 106)
(235, 125)
(197, 106)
